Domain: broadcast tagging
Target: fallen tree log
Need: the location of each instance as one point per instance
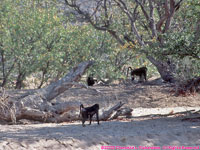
(107, 114)
(37, 105)
(127, 112)
(73, 115)
(166, 115)
(192, 118)
(51, 91)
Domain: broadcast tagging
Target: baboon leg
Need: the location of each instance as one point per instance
(141, 78)
(145, 77)
(90, 119)
(97, 115)
(83, 121)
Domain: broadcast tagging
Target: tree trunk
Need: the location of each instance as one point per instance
(44, 72)
(19, 82)
(165, 69)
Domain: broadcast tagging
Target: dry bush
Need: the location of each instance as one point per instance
(187, 87)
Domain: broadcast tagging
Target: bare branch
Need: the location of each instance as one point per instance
(177, 6)
(54, 89)
(163, 18)
(197, 33)
(96, 9)
(173, 7)
(158, 7)
(89, 18)
(152, 21)
(143, 10)
(169, 15)
(134, 29)
(114, 34)
(106, 13)
(135, 13)
(124, 8)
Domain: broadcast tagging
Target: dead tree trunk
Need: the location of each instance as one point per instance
(58, 87)
(37, 105)
(107, 114)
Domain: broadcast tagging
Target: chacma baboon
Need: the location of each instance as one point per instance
(138, 72)
(88, 112)
(90, 81)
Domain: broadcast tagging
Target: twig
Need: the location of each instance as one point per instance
(165, 115)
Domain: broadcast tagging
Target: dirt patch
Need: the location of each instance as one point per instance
(134, 95)
(144, 99)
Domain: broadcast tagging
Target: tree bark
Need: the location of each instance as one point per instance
(166, 70)
(58, 87)
(107, 114)
(20, 79)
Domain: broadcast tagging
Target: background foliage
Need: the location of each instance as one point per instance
(38, 45)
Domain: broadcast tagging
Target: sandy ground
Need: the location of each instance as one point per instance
(137, 131)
